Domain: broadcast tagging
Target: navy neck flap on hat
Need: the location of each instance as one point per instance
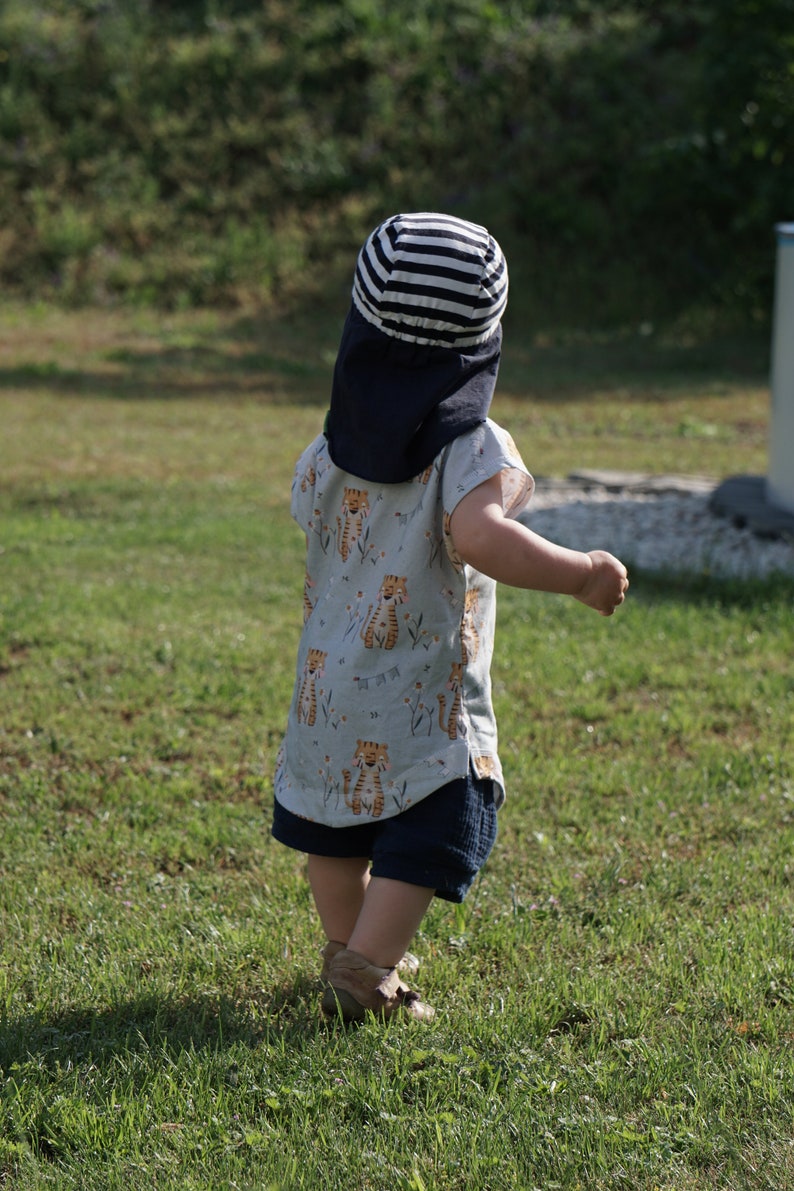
(395, 405)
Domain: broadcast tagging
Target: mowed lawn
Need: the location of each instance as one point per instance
(615, 999)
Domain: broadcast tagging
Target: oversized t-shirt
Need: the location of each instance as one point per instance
(392, 694)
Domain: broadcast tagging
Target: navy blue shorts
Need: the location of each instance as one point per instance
(440, 843)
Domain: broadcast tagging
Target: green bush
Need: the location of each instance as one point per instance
(631, 157)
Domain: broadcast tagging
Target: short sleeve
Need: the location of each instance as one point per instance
(475, 457)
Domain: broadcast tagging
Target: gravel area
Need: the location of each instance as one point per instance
(654, 523)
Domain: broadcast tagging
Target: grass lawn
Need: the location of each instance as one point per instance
(616, 997)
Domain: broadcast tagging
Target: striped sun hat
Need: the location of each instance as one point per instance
(432, 279)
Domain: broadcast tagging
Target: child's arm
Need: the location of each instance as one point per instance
(511, 553)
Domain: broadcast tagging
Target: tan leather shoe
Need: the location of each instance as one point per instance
(357, 987)
(408, 965)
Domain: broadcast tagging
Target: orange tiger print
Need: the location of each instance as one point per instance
(313, 670)
(454, 557)
(484, 767)
(469, 637)
(308, 605)
(454, 684)
(372, 758)
(382, 630)
(355, 508)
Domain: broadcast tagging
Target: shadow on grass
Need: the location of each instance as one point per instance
(571, 365)
(151, 1022)
(162, 376)
(289, 361)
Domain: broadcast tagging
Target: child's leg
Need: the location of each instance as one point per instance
(376, 917)
(338, 885)
(390, 917)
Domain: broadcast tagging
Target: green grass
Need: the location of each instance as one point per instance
(616, 997)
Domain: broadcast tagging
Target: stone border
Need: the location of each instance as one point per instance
(635, 482)
(740, 499)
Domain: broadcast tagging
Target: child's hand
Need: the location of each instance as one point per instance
(605, 587)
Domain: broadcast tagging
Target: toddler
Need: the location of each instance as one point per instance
(389, 776)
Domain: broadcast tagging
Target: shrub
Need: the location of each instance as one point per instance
(632, 158)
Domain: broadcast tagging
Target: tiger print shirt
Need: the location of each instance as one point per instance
(392, 693)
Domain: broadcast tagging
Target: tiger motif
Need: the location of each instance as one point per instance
(452, 553)
(484, 767)
(383, 629)
(308, 603)
(454, 684)
(371, 758)
(469, 637)
(355, 508)
(313, 670)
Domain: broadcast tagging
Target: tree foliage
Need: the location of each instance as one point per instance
(630, 156)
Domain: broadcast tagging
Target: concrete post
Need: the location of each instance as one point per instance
(780, 472)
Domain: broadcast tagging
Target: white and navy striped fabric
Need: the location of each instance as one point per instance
(431, 279)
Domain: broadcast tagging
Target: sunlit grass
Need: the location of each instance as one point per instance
(616, 997)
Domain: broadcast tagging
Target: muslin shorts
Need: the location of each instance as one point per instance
(441, 843)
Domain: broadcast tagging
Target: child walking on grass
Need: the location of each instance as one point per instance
(389, 776)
